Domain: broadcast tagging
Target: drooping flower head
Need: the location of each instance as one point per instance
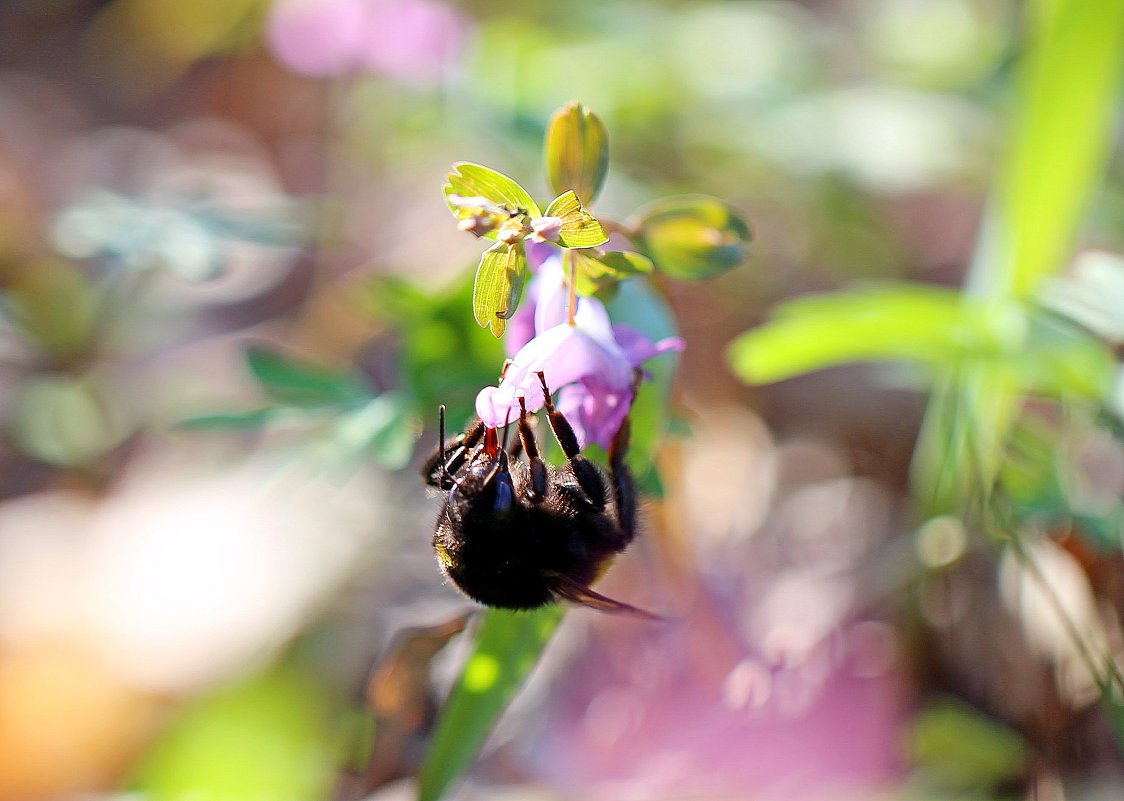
(591, 363)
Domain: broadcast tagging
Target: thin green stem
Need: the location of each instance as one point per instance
(572, 296)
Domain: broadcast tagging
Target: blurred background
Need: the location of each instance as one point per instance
(232, 300)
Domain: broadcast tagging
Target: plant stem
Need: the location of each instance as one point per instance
(572, 296)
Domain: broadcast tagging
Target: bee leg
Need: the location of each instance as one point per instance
(588, 476)
(449, 456)
(538, 485)
(624, 489)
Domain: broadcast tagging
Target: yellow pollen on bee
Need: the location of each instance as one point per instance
(443, 554)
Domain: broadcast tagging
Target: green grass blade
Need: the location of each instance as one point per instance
(1061, 131)
(507, 647)
(911, 323)
(1067, 86)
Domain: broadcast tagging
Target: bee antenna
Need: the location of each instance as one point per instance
(441, 440)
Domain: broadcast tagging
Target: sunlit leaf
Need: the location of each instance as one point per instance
(1067, 89)
(960, 749)
(691, 236)
(596, 271)
(1067, 81)
(507, 646)
(576, 151)
(579, 228)
(262, 739)
(299, 383)
(498, 286)
(918, 324)
(469, 180)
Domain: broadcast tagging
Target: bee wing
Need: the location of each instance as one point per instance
(577, 593)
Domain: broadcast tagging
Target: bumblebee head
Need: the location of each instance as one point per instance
(485, 485)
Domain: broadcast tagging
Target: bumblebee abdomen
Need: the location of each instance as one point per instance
(496, 566)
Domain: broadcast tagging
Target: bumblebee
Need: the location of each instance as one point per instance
(516, 533)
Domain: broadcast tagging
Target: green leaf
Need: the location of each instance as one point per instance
(499, 284)
(507, 647)
(262, 739)
(579, 228)
(469, 180)
(691, 236)
(299, 383)
(444, 356)
(1067, 92)
(959, 749)
(576, 151)
(384, 429)
(1061, 360)
(919, 324)
(597, 271)
(1113, 706)
(230, 421)
(1067, 89)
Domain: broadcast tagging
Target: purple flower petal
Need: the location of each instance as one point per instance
(412, 40)
(590, 364)
(638, 348)
(318, 37)
(595, 411)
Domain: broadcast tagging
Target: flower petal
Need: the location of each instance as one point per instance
(637, 348)
(595, 411)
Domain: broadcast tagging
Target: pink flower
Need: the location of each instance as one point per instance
(411, 40)
(590, 364)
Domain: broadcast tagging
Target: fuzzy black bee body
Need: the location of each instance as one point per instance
(517, 534)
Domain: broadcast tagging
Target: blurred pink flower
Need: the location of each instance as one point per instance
(590, 363)
(412, 40)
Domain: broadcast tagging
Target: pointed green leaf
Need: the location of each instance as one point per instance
(469, 180)
(597, 271)
(1067, 87)
(691, 236)
(499, 284)
(576, 151)
(919, 324)
(230, 421)
(579, 228)
(298, 383)
(507, 647)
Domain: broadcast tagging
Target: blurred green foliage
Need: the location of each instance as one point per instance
(959, 752)
(261, 739)
(506, 647)
(848, 125)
